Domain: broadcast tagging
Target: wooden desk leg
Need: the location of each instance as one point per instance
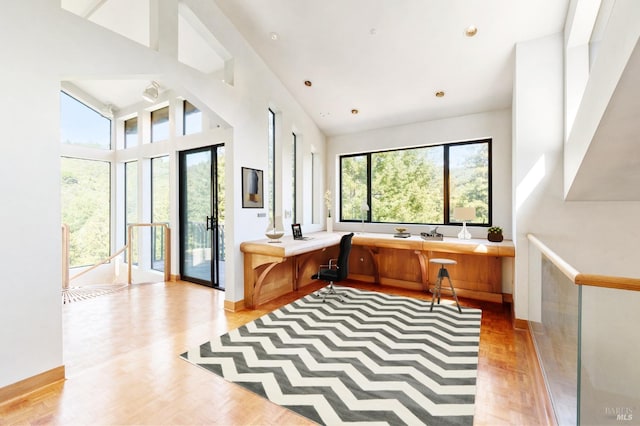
(374, 252)
(260, 282)
(424, 269)
(295, 273)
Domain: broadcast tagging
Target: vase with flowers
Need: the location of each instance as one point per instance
(327, 202)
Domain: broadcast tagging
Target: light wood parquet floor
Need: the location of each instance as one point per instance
(121, 354)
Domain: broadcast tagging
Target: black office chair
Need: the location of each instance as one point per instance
(336, 270)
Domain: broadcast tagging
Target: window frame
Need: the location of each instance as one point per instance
(272, 163)
(109, 172)
(294, 173)
(447, 220)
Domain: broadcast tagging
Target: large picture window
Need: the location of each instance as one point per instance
(85, 191)
(85, 184)
(417, 185)
(159, 208)
(131, 204)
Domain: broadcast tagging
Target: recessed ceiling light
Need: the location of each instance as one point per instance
(354, 111)
(440, 94)
(308, 83)
(274, 36)
(471, 30)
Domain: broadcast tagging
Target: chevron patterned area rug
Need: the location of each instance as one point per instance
(373, 358)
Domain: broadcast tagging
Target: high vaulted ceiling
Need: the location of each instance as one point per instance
(388, 58)
(385, 58)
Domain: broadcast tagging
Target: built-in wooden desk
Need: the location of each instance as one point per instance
(273, 269)
(277, 267)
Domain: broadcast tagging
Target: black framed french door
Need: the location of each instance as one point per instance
(201, 210)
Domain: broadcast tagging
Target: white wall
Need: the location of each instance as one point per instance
(596, 103)
(30, 314)
(61, 47)
(594, 237)
(494, 124)
(537, 151)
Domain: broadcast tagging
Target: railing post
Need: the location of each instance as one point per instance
(129, 253)
(167, 253)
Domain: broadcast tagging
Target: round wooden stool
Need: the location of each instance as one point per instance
(441, 274)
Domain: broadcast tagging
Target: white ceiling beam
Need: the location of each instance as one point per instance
(580, 21)
(163, 26)
(92, 7)
(201, 29)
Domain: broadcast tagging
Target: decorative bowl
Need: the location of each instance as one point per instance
(274, 236)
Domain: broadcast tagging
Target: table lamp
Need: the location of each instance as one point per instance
(464, 214)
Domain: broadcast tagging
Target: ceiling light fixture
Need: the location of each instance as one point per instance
(440, 94)
(274, 36)
(109, 109)
(471, 30)
(354, 111)
(150, 94)
(308, 83)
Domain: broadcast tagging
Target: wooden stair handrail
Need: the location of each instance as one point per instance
(559, 262)
(594, 280)
(167, 248)
(65, 253)
(95, 265)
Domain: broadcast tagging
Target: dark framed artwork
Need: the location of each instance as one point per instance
(296, 229)
(252, 188)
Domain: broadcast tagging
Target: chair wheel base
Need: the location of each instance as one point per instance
(328, 291)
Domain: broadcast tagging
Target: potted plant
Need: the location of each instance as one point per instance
(494, 234)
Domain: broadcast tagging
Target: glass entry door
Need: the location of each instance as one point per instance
(202, 216)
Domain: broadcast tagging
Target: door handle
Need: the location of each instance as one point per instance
(209, 223)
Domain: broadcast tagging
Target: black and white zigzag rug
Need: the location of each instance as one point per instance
(373, 358)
